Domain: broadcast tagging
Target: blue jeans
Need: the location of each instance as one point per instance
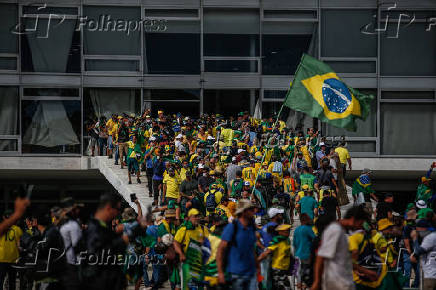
(242, 282)
(407, 271)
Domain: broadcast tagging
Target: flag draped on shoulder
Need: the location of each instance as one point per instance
(320, 93)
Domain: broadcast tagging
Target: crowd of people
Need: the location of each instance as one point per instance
(238, 203)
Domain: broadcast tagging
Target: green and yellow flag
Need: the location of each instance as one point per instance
(320, 93)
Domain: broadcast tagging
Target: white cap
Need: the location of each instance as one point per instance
(210, 138)
(240, 150)
(234, 158)
(152, 138)
(247, 183)
(180, 136)
(321, 144)
(200, 166)
(272, 212)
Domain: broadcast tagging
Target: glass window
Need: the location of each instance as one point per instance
(408, 129)
(99, 102)
(110, 65)
(231, 32)
(283, 44)
(112, 30)
(367, 128)
(51, 127)
(9, 17)
(341, 34)
(8, 145)
(186, 108)
(231, 66)
(361, 146)
(52, 92)
(413, 53)
(9, 106)
(353, 66)
(162, 95)
(400, 95)
(53, 47)
(273, 94)
(226, 102)
(8, 63)
(174, 49)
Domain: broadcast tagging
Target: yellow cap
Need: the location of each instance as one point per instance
(265, 163)
(384, 224)
(160, 112)
(283, 227)
(192, 212)
(211, 172)
(424, 179)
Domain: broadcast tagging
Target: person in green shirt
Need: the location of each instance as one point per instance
(168, 225)
(307, 178)
(134, 158)
(424, 191)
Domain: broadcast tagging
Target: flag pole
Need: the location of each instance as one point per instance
(276, 122)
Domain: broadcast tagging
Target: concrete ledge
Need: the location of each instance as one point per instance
(118, 178)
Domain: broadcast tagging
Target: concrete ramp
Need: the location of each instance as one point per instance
(118, 178)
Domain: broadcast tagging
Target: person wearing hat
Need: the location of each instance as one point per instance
(237, 249)
(321, 153)
(189, 237)
(386, 227)
(424, 190)
(423, 209)
(280, 248)
(275, 218)
(168, 224)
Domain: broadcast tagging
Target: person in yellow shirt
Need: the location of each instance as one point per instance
(249, 173)
(280, 248)
(187, 243)
(9, 253)
(344, 157)
(361, 245)
(212, 199)
(112, 129)
(305, 150)
(171, 184)
(276, 169)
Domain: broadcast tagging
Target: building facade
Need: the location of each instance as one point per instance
(63, 63)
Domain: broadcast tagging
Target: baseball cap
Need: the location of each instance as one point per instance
(240, 150)
(322, 144)
(200, 166)
(192, 212)
(384, 224)
(234, 158)
(283, 227)
(272, 212)
(247, 183)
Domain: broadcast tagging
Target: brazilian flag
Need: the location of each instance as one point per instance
(320, 93)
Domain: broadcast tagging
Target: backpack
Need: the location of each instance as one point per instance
(210, 201)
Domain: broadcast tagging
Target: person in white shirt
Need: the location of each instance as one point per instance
(333, 264)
